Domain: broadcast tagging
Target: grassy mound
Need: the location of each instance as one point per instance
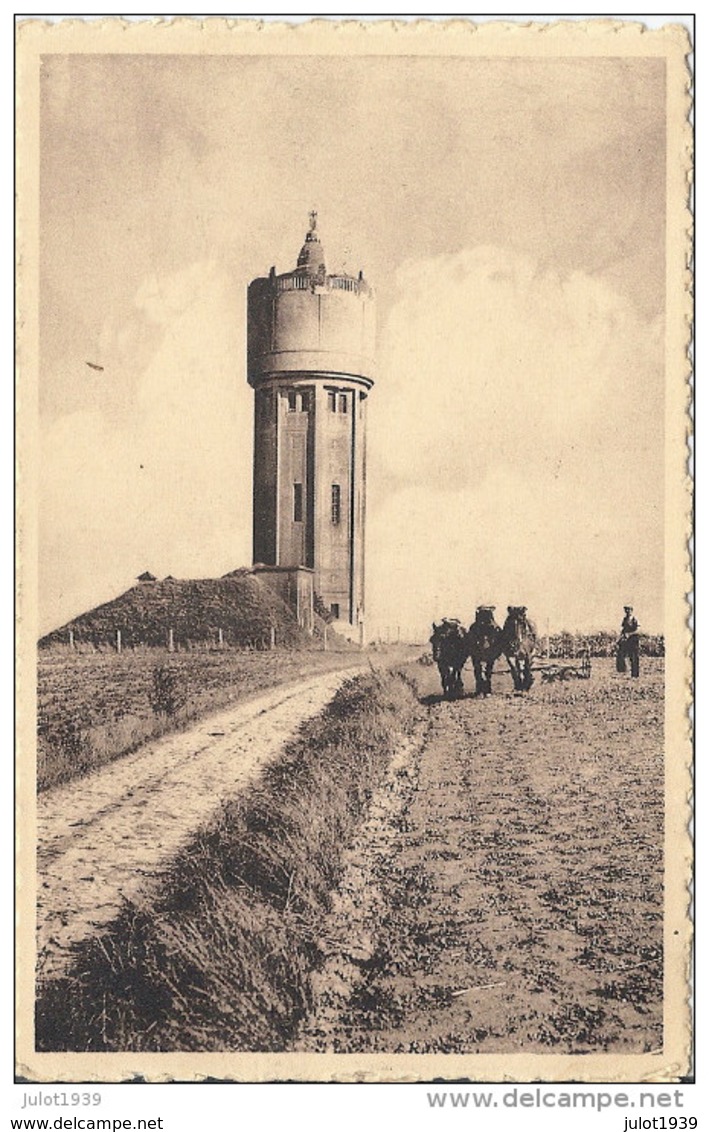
(242, 607)
(221, 957)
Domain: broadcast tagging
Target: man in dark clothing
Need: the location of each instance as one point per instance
(629, 643)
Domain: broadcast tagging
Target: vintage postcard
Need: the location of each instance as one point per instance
(354, 507)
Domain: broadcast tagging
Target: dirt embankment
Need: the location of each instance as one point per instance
(506, 895)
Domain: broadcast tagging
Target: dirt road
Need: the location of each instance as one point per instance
(506, 895)
(105, 837)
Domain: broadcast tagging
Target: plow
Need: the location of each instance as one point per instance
(549, 673)
(563, 671)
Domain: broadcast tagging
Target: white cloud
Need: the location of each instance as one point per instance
(516, 440)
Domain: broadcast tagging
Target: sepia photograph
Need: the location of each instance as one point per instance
(354, 664)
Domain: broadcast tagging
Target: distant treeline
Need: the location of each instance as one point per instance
(603, 643)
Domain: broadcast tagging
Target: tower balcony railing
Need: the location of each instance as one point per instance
(292, 282)
(305, 282)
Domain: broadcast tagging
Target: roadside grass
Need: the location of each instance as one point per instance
(220, 957)
(94, 708)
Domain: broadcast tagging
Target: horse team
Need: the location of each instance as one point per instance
(484, 642)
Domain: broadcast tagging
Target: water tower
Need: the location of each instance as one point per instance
(311, 364)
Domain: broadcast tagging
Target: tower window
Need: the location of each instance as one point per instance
(335, 610)
(336, 508)
(297, 503)
(332, 400)
(298, 402)
(343, 402)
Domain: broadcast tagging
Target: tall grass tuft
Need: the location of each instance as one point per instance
(220, 958)
(166, 696)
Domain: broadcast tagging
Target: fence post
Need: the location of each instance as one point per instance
(171, 640)
(221, 639)
(118, 640)
(324, 639)
(273, 637)
(71, 638)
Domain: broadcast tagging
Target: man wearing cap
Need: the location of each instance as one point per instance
(629, 643)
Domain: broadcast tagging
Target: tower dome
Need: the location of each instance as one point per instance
(311, 260)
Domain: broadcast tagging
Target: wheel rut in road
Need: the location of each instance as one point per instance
(105, 838)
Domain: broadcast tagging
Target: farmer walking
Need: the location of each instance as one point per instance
(628, 643)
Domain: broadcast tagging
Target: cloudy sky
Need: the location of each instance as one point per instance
(510, 215)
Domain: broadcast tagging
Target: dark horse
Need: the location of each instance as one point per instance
(519, 641)
(484, 641)
(450, 653)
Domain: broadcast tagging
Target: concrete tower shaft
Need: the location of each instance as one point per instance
(311, 364)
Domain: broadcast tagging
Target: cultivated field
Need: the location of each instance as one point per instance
(508, 895)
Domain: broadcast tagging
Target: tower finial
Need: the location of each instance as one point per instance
(311, 257)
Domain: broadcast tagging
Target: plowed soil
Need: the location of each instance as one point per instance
(506, 894)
